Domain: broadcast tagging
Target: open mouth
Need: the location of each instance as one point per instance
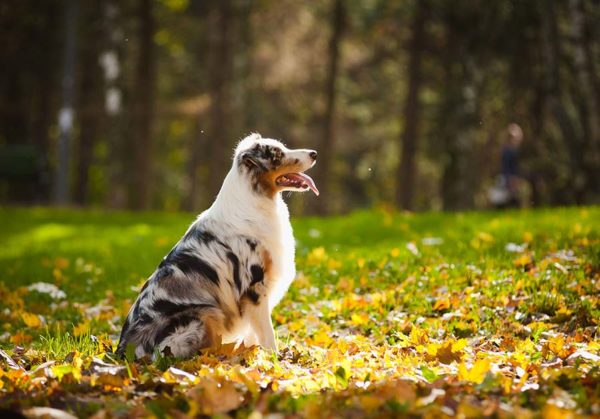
(297, 181)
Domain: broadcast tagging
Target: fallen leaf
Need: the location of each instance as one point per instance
(476, 373)
(32, 320)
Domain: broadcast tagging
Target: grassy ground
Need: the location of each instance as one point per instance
(434, 314)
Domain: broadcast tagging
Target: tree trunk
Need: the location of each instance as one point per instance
(90, 109)
(46, 104)
(67, 113)
(220, 140)
(407, 172)
(327, 146)
(572, 141)
(144, 108)
(118, 148)
(588, 104)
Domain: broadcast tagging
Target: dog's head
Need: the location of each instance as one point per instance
(271, 167)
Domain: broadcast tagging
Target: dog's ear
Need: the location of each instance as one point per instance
(250, 161)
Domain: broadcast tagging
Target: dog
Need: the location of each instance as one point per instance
(220, 282)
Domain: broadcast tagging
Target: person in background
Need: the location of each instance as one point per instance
(510, 165)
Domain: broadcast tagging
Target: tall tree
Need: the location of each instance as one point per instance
(111, 60)
(67, 112)
(220, 75)
(328, 139)
(555, 106)
(407, 171)
(90, 99)
(589, 108)
(143, 108)
(46, 70)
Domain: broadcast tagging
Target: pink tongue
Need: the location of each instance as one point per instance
(307, 179)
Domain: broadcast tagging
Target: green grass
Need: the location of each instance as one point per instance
(375, 278)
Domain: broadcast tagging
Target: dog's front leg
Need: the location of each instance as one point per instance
(259, 316)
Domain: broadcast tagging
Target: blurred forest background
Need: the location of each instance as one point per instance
(138, 103)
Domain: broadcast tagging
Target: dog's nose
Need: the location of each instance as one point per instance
(313, 155)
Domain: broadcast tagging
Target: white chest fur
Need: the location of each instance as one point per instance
(237, 211)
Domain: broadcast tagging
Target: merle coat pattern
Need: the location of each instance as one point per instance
(222, 279)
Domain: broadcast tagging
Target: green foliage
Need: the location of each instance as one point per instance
(220, 71)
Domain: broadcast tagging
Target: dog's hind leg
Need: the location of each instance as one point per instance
(183, 338)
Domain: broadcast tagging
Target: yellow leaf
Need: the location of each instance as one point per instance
(296, 325)
(31, 320)
(358, 319)
(459, 345)
(551, 411)
(316, 256)
(322, 338)
(418, 336)
(558, 346)
(20, 338)
(476, 373)
(82, 328)
(345, 284)
(523, 260)
(61, 371)
(333, 264)
(440, 305)
(447, 353)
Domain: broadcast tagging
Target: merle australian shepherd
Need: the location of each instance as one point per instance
(221, 281)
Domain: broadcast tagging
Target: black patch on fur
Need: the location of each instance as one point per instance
(144, 295)
(162, 273)
(258, 274)
(136, 309)
(236, 270)
(267, 153)
(200, 236)
(252, 244)
(165, 261)
(224, 245)
(250, 160)
(252, 295)
(169, 308)
(189, 264)
(144, 319)
(171, 326)
(134, 329)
